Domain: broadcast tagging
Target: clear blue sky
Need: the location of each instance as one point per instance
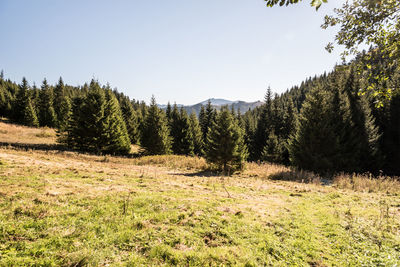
(182, 51)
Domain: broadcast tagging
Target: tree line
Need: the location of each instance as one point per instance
(324, 125)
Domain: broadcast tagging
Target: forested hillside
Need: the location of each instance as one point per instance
(324, 125)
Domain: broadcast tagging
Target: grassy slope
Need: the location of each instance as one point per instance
(71, 209)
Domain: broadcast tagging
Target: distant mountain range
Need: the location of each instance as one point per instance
(217, 103)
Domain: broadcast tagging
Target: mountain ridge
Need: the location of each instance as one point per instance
(217, 103)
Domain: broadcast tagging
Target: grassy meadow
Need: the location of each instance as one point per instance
(70, 209)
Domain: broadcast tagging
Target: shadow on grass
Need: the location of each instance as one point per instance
(56, 147)
(297, 176)
(204, 173)
(25, 146)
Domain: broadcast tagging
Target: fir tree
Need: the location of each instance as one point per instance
(225, 148)
(29, 117)
(264, 126)
(46, 114)
(62, 105)
(198, 144)
(155, 135)
(131, 120)
(20, 102)
(316, 146)
(90, 120)
(182, 139)
(206, 117)
(115, 139)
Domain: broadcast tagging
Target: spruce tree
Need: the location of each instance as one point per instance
(264, 126)
(46, 114)
(91, 118)
(155, 135)
(315, 145)
(225, 147)
(73, 134)
(131, 120)
(198, 144)
(21, 99)
(207, 117)
(182, 139)
(62, 105)
(29, 117)
(114, 139)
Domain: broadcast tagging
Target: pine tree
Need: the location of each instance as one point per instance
(46, 114)
(182, 139)
(198, 144)
(62, 105)
(114, 139)
(207, 117)
(131, 120)
(20, 102)
(168, 112)
(29, 117)
(362, 134)
(264, 126)
(155, 135)
(73, 134)
(225, 148)
(91, 118)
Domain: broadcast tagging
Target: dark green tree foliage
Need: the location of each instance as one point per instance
(131, 119)
(23, 109)
(168, 112)
(392, 136)
(198, 144)
(225, 147)
(62, 105)
(96, 124)
(46, 114)
(315, 146)
(182, 139)
(264, 128)
(206, 119)
(29, 117)
(88, 125)
(363, 135)
(115, 139)
(155, 134)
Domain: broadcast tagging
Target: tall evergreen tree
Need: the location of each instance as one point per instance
(206, 117)
(316, 146)
(46, 114)
(20, 102)
(115, 139)
(62, 105)
(225, 147)
(30, 117)
(198, 144)
(182, 139)
(264, 126)
(131, 120)
(155, 135)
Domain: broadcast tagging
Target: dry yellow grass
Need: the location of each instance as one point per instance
(11, 133)
(367, 183)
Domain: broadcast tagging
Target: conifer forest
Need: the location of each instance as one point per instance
(322, 125)
(299, 171)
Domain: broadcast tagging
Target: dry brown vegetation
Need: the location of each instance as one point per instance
(16, 134)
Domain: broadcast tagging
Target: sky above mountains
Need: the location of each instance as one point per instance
(180, 51)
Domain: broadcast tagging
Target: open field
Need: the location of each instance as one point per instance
(71, 209)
